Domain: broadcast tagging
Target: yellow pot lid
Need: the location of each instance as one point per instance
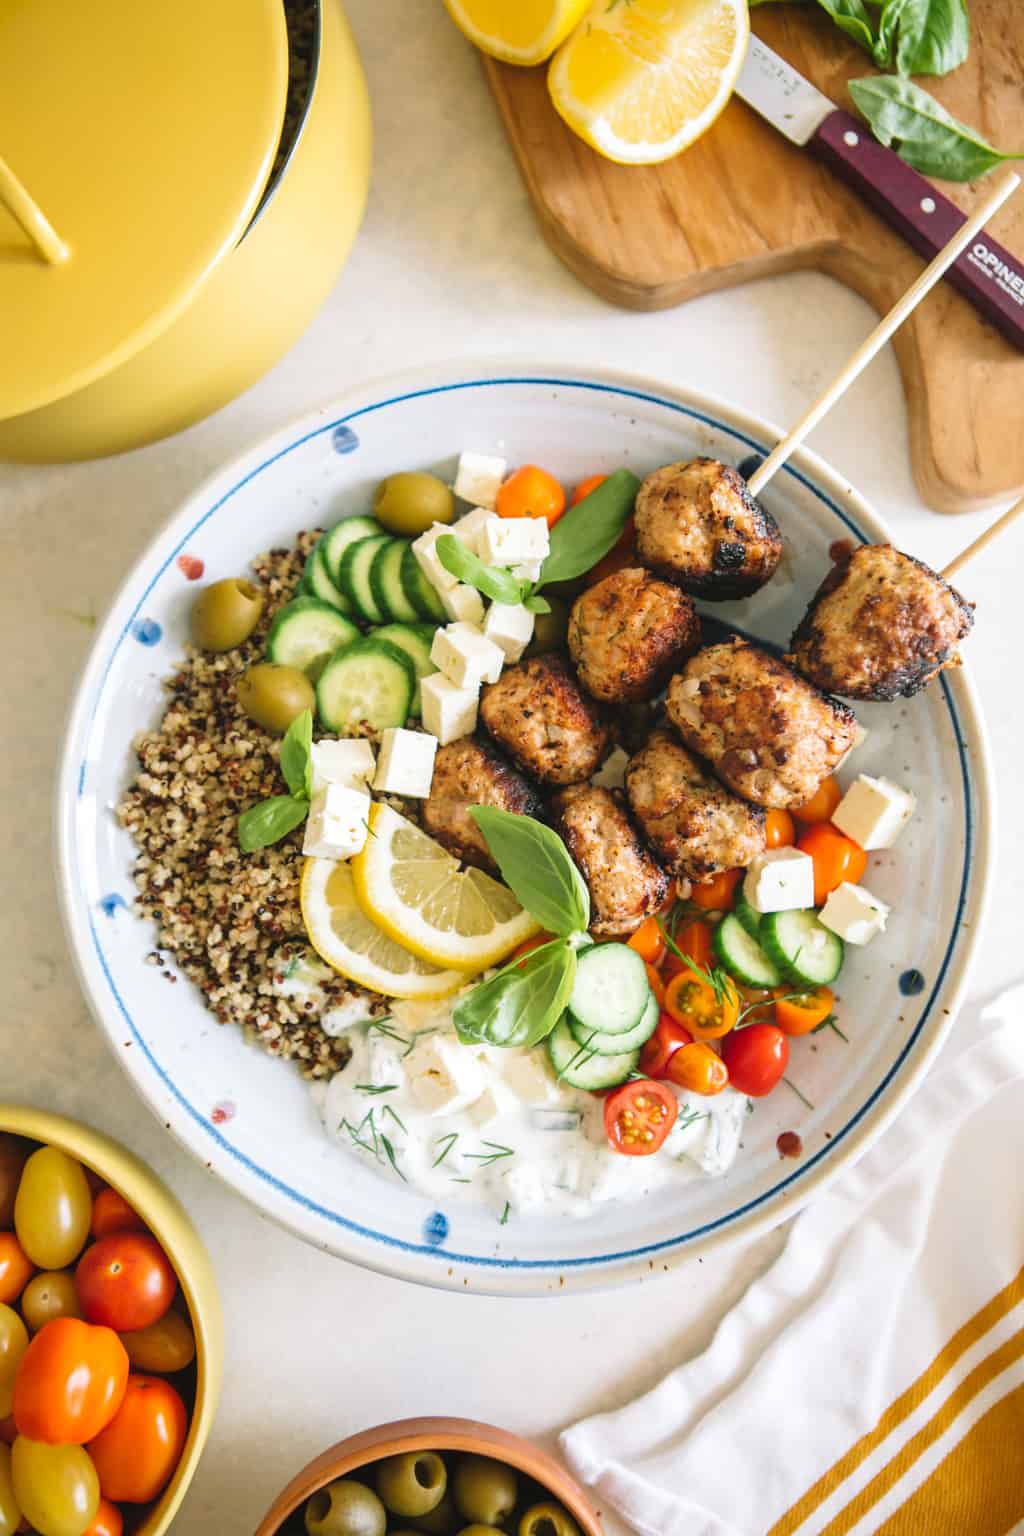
(135, 141)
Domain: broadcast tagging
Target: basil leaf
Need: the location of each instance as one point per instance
(269, 821)
(497, 584)
(535, 864)
(584, 535)
(297, 755)
(926, 136)
(924, 37)
(521, 1005)
(536, 604)
(854, 18)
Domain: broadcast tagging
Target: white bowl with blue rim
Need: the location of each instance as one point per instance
(251, 1118)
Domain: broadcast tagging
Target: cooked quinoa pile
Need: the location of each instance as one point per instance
(228, 920)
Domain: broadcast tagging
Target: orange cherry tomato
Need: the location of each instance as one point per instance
(141, 1446)
(531, 492)
(694, 940)
(716, 894)
(125, 1281)
(16, 1268)
(657, 985)
(107, 1521)
(695, 1004)
(697, 1068)
(585, 487)
(112, 1213)
(668, 1037)
(530, 944)
(779, 831)
(638, 1116)
(836, 858)
(621, 555)
(70, 1383)
(821, 806)
(799, 1013)
(648, 941)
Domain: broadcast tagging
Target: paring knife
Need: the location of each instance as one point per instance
(987, 273)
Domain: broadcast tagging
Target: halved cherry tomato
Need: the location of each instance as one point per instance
(757, 1057)
(696, 1005)
(694, 940)
(668, 1037)
(716, 894)
(821, 805)
(648, 941)
(70, 1383)
(779, 831)
(656, 983)
(621, 555)
(16, 1268)
(107, 1521)
(585, 487)
(697, 1069)
(836, 858)
(125, 1281)
(140, 1447)
(798, 1013)
(529, 944)
(531, 492)
(638, 1116)
(112, 1213)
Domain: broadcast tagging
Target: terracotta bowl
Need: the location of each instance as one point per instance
(432, 1435)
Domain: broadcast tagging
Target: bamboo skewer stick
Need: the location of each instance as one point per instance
(870, 348)
(983, 539)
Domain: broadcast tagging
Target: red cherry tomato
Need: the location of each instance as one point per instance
(757, 1057)
(70, 1383)
(666, 1040)
(716, 894)
(141, 1446)
(112, 1213)
(697, 1068)
(779, 831)
(125, 1281)
(638, 1116)
(836, 858)
(821, 806)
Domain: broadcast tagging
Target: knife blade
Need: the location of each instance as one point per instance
(987, 274)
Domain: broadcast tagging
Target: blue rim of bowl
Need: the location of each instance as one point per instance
(444, 1255)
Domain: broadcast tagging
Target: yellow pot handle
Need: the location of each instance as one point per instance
(31, 217)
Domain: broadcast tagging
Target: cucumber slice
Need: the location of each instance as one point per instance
(365, 688)
(617, 1045)
(415, 641)
(316, 582)
(354, 576)
(423, 596)
(305, 634)
(743, 956)
(337, 539)
(611, 989)
(805, 950)
(386, 583)
(748, 916)
(581, 1068)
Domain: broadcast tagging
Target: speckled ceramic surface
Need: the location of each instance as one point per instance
(250, 1118)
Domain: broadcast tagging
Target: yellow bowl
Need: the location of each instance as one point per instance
(167, 1220)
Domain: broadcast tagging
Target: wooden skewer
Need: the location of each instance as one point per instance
(982, 540)
(883, 331)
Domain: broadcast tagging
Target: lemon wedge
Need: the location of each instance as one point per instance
(640, 80)
(518, 31)
(412, 888)
(344, 936)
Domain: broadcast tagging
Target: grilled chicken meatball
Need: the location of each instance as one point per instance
(626, 884)
(767, 733)
(628, 632)
(695, 825)
(470, 772)
(880, 626)
(698, 525)
(538, 712)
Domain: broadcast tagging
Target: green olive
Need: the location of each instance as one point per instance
(407, 503)
(547, 1519)
(485, 1490)
(550, 629)
(442, 1520)
(345, 1508)
(225, 614)
(274, 696)
(476, 1529)
(412, 1484)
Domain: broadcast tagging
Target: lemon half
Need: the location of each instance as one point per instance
(518, 31)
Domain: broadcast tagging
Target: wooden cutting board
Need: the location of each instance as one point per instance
(744, 203)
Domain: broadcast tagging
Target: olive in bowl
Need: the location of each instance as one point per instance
(225, 614)
(411, 502)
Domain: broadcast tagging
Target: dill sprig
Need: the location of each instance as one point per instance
(504, 1215)
(449, 1142)
(720, 982)
(396, 1118)
(389, 1153)
(375, 1088)
(495, 1155)
(830, 1023)
(383, 1027)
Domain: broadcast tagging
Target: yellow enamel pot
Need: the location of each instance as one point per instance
(179, 1239)
(157, 253)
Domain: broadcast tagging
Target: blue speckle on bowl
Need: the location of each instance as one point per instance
(911, 983)
(146, 631)
(344, 440)
(435, 1229)
(750, 465)
(112, 904)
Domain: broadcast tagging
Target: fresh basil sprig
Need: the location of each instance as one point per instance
(536, 866)
(923, 37)
(521, 1005)
(584, 535)
(493, 581)
(270, 820)
(925, 135)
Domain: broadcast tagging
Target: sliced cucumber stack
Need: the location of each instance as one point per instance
(611, 989)
(581, 1067)
(337, 539)
(804, 950)
(742, 956)
(386, 583)
(366, 687)
(415, 640)
(305, 634)
(617, 1045)
(747, 915)
(317, 581)
(421, 594)
(354, 577)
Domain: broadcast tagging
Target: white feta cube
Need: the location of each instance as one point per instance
(406, 763)
(463, 604)
(513, 540)
(466, 656)
(337, 822)
(530, 571)
(528, 1074)
(781, 880)
(467, 529)
(483, 1110)
(874, 812)
(443, 1076)
(478, 478)
(509, 626)
(349, 763)
(448, 712)
(854, 914)
(612, 772)
(429, 562)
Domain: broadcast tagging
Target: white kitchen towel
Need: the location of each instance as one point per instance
(872, 1381)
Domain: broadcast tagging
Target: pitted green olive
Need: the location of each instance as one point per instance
(407, 503)
(550, 629)
(547, 1519)
(225, 614)
(345, 1508)
(273, 696)
(412, 1484)
(442, 1520)
(476, 1529)
(485, 1491)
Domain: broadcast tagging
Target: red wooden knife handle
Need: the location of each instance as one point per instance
(987, 273)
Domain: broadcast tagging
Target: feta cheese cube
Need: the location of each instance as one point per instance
(509, 626)
(513, 540)
(463, 604)
(528, 1074)
(874, 812)
(530, 570)
(854, 914)
(425, 550)
(337, 822)
(448, 712)
(349, 763)
(467, 529)
(443, 1076)
(406, 763)
(465, 655)
(781, 880)
(478, 478)
(483, 1110)
(612, 772)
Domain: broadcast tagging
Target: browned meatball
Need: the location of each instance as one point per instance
(880, 626)
(628, 632)
(698, 525)
(767, 733)
(539, 713)
(695, 825)
(470, 772)
(625, 883)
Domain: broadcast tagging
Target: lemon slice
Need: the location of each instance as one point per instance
(413, 889)
(344, 936)
(523, 32)
(639, 80)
